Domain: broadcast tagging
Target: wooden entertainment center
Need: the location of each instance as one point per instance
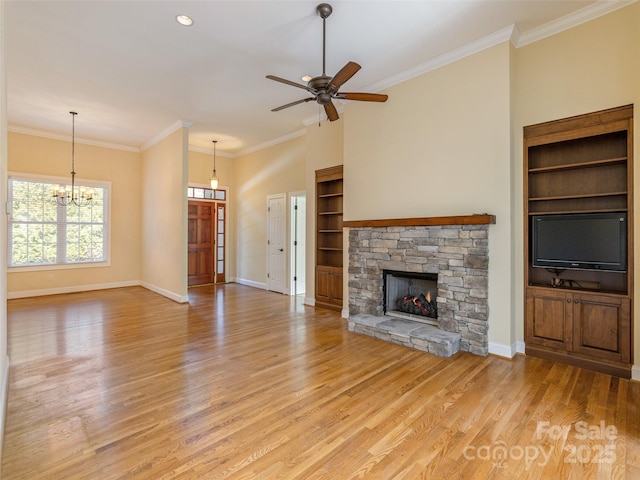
(582, 164)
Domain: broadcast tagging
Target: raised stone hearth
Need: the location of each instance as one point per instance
(419, 336)
(457, 253)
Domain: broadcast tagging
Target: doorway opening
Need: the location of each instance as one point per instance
(298, 243)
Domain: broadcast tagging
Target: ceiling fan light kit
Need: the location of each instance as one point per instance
(324, 88)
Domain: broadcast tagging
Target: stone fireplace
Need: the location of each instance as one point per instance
(453, 250)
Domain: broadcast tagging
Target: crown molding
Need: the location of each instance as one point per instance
(447, 58)
(165, 133)
(67, 138)
(583, 15)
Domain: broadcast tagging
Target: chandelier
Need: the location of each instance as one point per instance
(72, 194)
(214, 177)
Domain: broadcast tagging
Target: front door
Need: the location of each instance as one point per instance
(276, 209)
(206, 228)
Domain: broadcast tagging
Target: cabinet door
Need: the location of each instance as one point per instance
(549, 318)
(336, 286)
(323, 284)
(602, 327)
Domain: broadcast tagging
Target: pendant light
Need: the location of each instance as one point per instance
(72, 194)
(214, 177)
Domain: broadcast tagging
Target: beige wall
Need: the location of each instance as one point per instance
(276, 169)
(45, 156)
(591, 67)
(441, 146)
(164, 216)
(200, 169)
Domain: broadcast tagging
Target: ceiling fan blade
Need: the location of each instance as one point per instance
(363, 97)
(289, 82)
(330, 110)
(348, 71)
(304, 100)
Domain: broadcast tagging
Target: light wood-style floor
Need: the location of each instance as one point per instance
(247, 384)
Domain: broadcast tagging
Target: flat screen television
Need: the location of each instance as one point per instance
(589, 241)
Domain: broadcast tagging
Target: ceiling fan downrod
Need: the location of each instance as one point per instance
(324, 10)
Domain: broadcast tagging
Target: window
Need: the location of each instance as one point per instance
(206, 193)
(43, 233)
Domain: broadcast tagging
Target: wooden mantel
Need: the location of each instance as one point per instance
(476, 219)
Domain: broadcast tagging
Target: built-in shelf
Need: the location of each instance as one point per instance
(581, 164)
(554, 212)
(329, 249)
(570, 166)
(583, 195)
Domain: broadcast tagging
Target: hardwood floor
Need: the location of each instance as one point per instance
(242, 384)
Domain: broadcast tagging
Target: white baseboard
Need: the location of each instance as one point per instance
(251, 283)
(4, 393)
(310, 301)
(71, 289)
(635, 373)
(176, 297)
(502, 350)
(506, 351)
(345, 313)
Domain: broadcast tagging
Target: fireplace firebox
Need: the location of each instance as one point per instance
(411, 295)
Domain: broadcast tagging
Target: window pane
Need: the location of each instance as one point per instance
(41, 232)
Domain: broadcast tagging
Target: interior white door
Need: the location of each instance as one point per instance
(276, 243)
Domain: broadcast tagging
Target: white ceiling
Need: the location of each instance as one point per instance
(131, 71)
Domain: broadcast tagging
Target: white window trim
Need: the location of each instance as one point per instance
(65, 180)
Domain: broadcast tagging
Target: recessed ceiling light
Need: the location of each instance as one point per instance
(185, 20)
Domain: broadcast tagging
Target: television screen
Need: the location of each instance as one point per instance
(592, 241)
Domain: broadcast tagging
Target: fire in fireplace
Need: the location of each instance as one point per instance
(412, 295)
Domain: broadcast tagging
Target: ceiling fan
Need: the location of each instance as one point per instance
(324, 88)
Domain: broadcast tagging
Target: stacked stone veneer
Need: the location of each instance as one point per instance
(459, 254)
